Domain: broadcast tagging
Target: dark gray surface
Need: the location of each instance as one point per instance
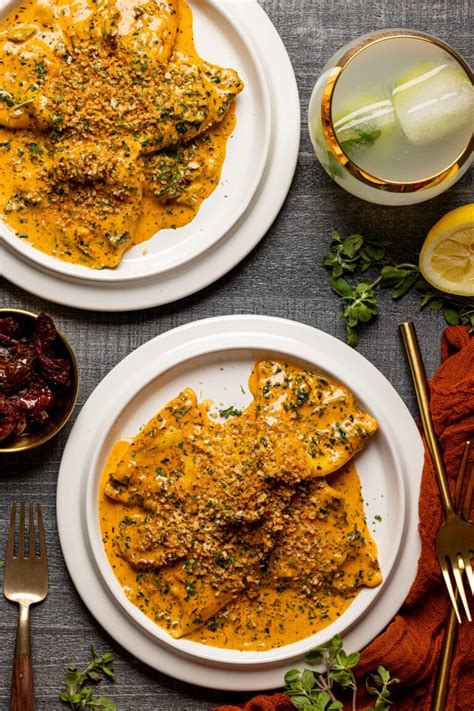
(282, 277)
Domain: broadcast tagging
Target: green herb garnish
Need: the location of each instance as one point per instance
(230, 412)
(79, 693)
(362, 139)
(355, 255)
(41, 72)
(312, 690)
(34, 148)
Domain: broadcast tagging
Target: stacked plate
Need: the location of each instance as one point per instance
(257, 173)
(215, 358)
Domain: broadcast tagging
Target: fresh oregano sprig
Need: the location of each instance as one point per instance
(319, 689)
(378, 687)
(79, 692)
(360, 304)
(355, 253)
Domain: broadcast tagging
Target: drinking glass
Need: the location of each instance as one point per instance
(391, 116)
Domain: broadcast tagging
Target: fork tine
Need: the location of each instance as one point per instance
(31, 528)
(11, 532)
(462, 469)
(466, 509)
(21, 532)
(42, 539)
(449, 586)
(460, 587)
(469, 573)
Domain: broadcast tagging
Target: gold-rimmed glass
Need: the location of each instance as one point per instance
(435, 170)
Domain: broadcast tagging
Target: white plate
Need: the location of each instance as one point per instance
(220, 40)
(256, 177)
(390, 470)
(216, 368)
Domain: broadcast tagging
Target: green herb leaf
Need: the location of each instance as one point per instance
(291, 676)
(378, 685)
(353, 660)
(352, 245)
(451, 316)
(392, 276)
(436, 304)
(80, 695)
(355, 255)
(315, 656)
(312, 690)
(307, 680)
(340, 286)
(230, 412)
(405, 285)
(361, 139)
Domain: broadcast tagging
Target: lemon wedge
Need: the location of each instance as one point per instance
(447, 255)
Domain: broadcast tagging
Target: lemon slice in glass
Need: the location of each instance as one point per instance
(447, 255)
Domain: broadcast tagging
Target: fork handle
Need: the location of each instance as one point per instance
(420, 382)
(22, 696)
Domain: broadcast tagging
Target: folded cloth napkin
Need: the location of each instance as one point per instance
(410, 646)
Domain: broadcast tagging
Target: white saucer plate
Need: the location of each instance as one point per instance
(215, 357)
(175, 263)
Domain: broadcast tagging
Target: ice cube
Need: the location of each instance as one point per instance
(363, 122)
(432, 102)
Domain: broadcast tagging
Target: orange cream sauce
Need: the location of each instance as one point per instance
(273, 618)
(155, 215)
(89, 224)
(277, 608)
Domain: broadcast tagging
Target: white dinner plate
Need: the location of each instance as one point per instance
(259, 165)
(194, 354)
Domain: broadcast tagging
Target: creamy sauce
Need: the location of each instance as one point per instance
(155, 215)
(212, 543)
(112, 127)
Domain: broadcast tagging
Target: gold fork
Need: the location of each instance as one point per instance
(455, 538)
(26, 583)
(446, 657)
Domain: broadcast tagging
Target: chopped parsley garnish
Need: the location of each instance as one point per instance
(230, 412)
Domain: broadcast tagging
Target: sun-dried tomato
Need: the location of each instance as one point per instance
(35, 399)
(12, 420)
(8, 408)
(6, 429)
(16, 363)
(56, 370)
(33, 375)
(10, 327)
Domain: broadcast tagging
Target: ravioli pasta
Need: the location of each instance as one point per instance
(246, 533)
(112, 127)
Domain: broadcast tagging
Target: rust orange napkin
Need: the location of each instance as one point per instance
(410, 646)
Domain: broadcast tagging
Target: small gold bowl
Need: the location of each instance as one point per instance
(68, 402)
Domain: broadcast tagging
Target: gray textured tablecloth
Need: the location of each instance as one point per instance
(282, 277)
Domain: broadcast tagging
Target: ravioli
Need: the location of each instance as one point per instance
(325, 541)
(210, 524)
(309, 425)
